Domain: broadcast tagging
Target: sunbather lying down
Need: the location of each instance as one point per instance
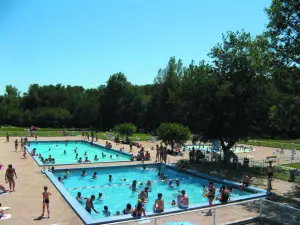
(2, 189)
(3, 215)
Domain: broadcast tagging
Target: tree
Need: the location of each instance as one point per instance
(125, 129)
(230, 99)
(284, 30)
(173, 133)
(114, 101)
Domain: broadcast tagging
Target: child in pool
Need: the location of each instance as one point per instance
(173, 203)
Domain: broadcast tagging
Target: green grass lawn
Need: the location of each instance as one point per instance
(56, 132)
(293, 165)
(273, 143)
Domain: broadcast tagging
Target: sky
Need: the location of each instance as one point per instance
(77, 42)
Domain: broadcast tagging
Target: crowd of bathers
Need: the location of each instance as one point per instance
(51, 160)
(181, 199)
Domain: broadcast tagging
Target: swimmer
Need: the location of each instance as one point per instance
(106, 212)
(149, 185)
(144, 195)
(110, 156)
(83, 173)
(133, 186)
(123, 179)
(96, 158)
(173, 203)
(67, 172)
(79, 198)
(103, 155)
(49, 149)
(100, 197)
(110, 178)
(85, 154)
(117, 156)
(177, 182)
(86, 159)
(76, 157)
(80, 160)
(65, 152)
(204, 188)
(171, 183)
(94, 175)
(60, 179)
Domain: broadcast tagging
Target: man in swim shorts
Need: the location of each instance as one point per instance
(89, 205)
(158, 206)
(46, 195)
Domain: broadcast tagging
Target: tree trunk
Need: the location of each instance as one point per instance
(226, 148)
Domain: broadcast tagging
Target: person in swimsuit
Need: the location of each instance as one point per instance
(246, 182)
(83, 173)
(16, 145)
(183, 200)
(79, 197)
(133, 186)
(159, 204)
(144, 195)
(211, 194)
(128, 209)
(89, 205)
(139, 211)
(46, 195)
(9, 177)
(94, 175)
(1, 211)
(3, 189)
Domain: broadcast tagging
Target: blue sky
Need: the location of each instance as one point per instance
(80, 42)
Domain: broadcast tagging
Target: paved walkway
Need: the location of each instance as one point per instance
(26, 202)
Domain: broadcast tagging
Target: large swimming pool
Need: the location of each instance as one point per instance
(65, 153)
(116, 194)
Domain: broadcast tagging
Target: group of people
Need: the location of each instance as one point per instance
(143, 190)
(86, 136)
(143, 155)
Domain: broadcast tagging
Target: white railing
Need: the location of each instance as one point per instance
(250, 210)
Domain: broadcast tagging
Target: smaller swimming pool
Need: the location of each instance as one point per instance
(237, 149)
(65, 153)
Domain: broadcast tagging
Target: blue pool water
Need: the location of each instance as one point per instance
(117, 194)
(57, 152)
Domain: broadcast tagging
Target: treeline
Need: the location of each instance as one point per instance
(249, 88)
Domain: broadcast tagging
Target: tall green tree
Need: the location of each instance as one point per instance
(284, 30)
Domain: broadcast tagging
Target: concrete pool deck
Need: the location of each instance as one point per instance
(26, 202)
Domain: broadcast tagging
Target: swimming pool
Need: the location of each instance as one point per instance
(117, 194)
(237, 149)
(65, 154)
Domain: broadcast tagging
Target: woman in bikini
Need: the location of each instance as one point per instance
(9, 177)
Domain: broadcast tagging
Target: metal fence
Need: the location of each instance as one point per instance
(271, 144)
(241, 212)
